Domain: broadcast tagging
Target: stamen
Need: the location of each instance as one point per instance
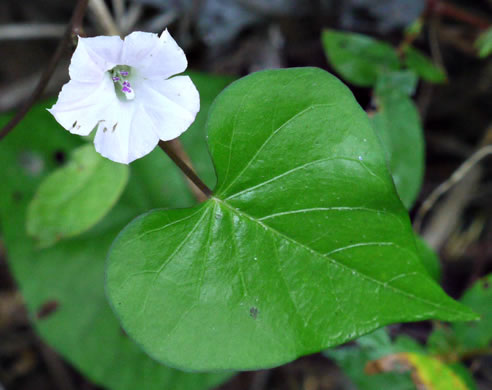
(124, 73)
(127, 90)
(116, 79)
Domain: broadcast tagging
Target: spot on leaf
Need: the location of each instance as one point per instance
(253, 312)
(47, 309)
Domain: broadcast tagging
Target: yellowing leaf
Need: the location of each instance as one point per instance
(428, 373)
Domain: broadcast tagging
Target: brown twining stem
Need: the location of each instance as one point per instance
(175, 151)
(74, 27)
(445, 9)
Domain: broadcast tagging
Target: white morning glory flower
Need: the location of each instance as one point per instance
(122, 88)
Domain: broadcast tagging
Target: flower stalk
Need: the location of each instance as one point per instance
(173, 149)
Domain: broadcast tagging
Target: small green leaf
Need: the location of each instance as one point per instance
(478, 334)
(359, 59)
(484, 43)
(429, 258)
(397, 124)
(75, 197)
(402, 80)
(304, 244)
(423, 65)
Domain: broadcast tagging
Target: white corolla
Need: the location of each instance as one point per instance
(124, 90)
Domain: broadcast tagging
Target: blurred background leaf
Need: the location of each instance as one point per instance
(429, 258)
(359, 59)
(353, 360)
(69, 277)
(427, 372)
(75, 197)
(484, 43)
(402, 80)
(423, 65)
(397, 123)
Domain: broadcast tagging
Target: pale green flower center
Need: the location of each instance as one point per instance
(121, 75)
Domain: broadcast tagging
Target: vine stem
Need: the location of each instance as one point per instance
(73, 27)
(445, 9)
(175, 151)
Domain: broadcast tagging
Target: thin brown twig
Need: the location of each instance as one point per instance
(457, 13)
(446, 9)
(100, 11)
(74, 27)
(176, 153)
(20, 31)
(119, 8)
(444, 187)
(408, 40)
(131, 17)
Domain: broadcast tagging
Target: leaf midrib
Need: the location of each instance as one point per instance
(333, 261)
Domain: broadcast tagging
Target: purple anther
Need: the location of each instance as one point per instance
(116, 79)
(126, 89)
(126, 83)
(124, 73)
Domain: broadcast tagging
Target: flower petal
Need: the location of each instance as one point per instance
(171, 104)
(93, 57)
(133, 137)
(153, 56)
(81, 106)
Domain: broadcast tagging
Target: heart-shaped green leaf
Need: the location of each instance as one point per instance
(75, 197)
(304, 244)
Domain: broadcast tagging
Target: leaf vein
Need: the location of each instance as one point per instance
(307, 210)
(289, 172)
(333, 261)
(313, 106)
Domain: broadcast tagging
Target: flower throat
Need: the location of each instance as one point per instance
(120, 75)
